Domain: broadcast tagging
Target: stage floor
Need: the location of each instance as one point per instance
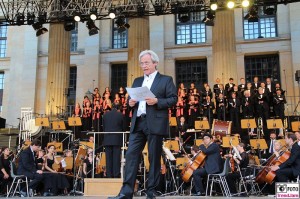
(143, 197)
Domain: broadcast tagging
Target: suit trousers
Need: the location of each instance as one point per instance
(198, 176)
(113, 161)
(137, 141)
(283, 175)
(35, 180)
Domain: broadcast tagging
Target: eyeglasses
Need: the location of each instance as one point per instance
(145, 63)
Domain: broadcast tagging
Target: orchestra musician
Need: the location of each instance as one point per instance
(27, 166)
(181, 129)
(233, 177)
(213, 163)
(271, 144)
(290, 169)
(5, 177)
(88, 164)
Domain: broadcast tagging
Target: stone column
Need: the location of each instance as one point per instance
(224, 48)
(138, 40)
(58, 68)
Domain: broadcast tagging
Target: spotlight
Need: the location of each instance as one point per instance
(183, 18)
(93, 29)
(158, 9)
(112, 13)
(69, 24)
(245, 3)
(209, 19)
(93, 13)
(270, 10)
(175, 8)
(20, 19)
(77, 16)
(38, 26)
(121, 24)
(214, 6)
(42, 17)
(30, 18)
(140, 10)
(230, 4)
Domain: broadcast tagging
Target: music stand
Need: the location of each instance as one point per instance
(295, 126)
(203, 125)
(80, 157)
(226, 141)
(172, 145)
(248, 124)
(58, 125)
(42, 121)
(58, 146)
(173, 121)
(259, 144)
(86, 144)
(74, 121)
(198, 142)
(274, 124)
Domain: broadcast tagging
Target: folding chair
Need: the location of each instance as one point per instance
(17, 181)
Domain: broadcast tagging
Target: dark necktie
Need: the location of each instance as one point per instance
(271, 147)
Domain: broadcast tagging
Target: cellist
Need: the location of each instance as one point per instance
(290, 169)
(213, 163)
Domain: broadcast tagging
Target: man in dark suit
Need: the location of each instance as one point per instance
(150, 123)
(213, 163)
(113, 121)
(27, 166)
(290, 169)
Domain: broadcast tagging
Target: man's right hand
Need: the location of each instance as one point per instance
(39, 171)
(132, 102)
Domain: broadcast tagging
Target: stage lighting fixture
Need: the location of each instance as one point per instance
(175, 8)
(158, 9)
(93, 13)
(245, 3)
(183, 18)
(20, 19)
(112, 13)
(270, 10)
(30, 18)
(214, 6)
(140, 10)
(42, 17)
(93, 29)
(38, 26)
(209, 18)
(121, 24)
(69, 24)
(252, 15)
(230, 4)
(77, 16)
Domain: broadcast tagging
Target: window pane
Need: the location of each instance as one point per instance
(74, 38)
(3, 40)
(120, 38)
(118, 76)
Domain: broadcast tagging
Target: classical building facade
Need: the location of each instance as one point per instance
(190, 52)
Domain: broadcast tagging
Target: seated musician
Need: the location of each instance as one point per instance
(233, 177)
(213, 163)
(88, 164)
(40, 160)
(5, 177)
(290, 169)
(27, 166)
(297, 133)
(54, 181)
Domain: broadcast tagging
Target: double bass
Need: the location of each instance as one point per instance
(192, 165)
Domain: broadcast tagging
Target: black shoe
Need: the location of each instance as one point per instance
(120, 196)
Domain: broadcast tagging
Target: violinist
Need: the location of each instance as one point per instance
(88, 164)
(289, 169)
(233, 177)
(213, 163)
(5, 177)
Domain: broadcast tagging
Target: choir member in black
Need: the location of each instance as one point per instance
(213, 163)
(181, 130)
(181, 88)
(27, 166)
(113, 121)
(87, 117)
(217, 85)
(5, 177)
(54, 181)
(77, 113)
(242, 85)
(206, 92)
(96, 95)
(234, 110)
(279, 101)
(255, 84)
(97, 116)
(265, 90)
(250, 89)
(278, 87)
(208, 107)
(270, 85)
(262, 105)
(193, 110)
(85, 101)
(108, 92)
(88, 164)
(237, 93)
(221, 90)
(106, 103)
(229, 87)
(247, 105)
(192, 87)
(234, 177)
(221, 104)
(290, 169)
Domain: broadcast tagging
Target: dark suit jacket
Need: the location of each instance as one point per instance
(113, 121)
(294, 160)
(27, 165)
(213, 161)
(157, 115)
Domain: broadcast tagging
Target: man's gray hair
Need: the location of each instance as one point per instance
(153, 55)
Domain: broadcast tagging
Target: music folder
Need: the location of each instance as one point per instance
(173, 121)
(58, 125)
(74, 121)
(274, 124)
(295, 126)
(202, 124)
(248, 123)
(258, 144)
(42, 121)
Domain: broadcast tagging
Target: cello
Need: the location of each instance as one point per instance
(192, 165)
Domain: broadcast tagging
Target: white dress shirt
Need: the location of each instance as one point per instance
(148, 80)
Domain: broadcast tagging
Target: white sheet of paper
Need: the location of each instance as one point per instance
(139, 93)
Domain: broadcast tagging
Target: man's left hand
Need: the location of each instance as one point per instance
(151, 101)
